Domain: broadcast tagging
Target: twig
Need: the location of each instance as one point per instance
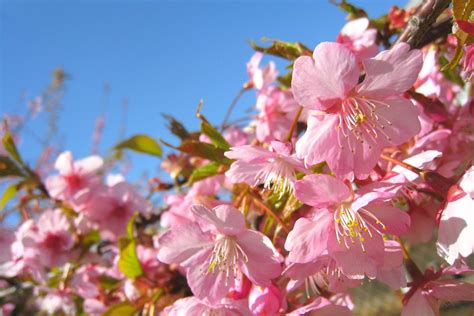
(293, 124)
(232, 106)
(269, 211)
(421, 22)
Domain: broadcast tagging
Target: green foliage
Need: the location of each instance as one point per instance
(353, 11)
(121, 309)
(142, 144)
(203, 172)
(8, 194)
(8, 168)
(128, 262)
(204, 150)
(10, 147)
(282, 49)
(176, 127)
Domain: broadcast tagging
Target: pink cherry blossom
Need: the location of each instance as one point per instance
(424, 296)
(456, 226)
(360, 119)
(267, 301)
(275, 169)
(215, 259)
(193, 306)
(261, 78)
(346, 225)
(76, 179)
(359, 38)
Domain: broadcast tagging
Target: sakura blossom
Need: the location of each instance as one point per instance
(335, 178)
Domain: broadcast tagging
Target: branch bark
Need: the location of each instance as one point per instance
(420, 23)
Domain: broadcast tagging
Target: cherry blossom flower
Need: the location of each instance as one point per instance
(260, 78)
(423, 298)
(360, 119)
(275, 169)
(348, 226)
(76, 179)
(456, 226)
(322, 306)
(359, 38)
(267, 301)
(215, 259)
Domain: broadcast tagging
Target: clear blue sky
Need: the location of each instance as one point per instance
(161, 55)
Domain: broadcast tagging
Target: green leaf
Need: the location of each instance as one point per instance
(353, 11)
(9, 168)
(204, 150)
(91, 237)
(10, 147)
(142, 144)
(121, 309)
(128, 262)
(176, 127)
(8, 194)
(107, 282)
(214, 135)
(450, 74)
(282, 49)
(203, 172)
(285, 80)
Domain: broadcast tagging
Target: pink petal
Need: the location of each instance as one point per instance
(452, 290)
(322, 307)
(225, 218)
(391, 72)
(64, 163)
(263, 263)
(320, 81)
(249, 153)
(308, 239)
(421, 304)
(321, 191)
(183, 242)
(208, 285)
(395, 220)
(320, 143)
(89, 165)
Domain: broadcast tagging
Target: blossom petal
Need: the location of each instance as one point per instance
(452, 290)
(225, 218)
(391, 72)
(320, 81)
(263, 263)
(320, 190)
(308, 239)
(421, 304)
(180, 244)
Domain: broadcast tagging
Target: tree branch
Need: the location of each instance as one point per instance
(421, 22)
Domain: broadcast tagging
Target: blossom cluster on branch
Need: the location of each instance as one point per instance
(358, 154)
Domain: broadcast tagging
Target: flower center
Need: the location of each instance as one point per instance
(351, 225)
(226, 255)
(277, 176)
(359, 117)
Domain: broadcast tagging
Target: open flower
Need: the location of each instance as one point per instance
(424, 296)
(360, 119)
(193, 306)
(359, 38)
(347, 226)
(275, 169)
(76, 179)
(216, 259)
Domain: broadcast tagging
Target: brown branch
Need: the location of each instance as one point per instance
(440, 30)
(421, 22)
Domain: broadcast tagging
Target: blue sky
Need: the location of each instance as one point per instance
(163, 56)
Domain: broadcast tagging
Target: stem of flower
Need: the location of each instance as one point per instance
(269, 211)
(411, 266)
(294, 123)
(414, 169)
(232, 106)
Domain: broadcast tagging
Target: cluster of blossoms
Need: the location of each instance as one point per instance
(353, 159)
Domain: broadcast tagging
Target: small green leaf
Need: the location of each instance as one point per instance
(108, 282)
(128, 262)
(203, 172)
(282, 49)
(204, 150)
(176, 127)
(9, 168)
(142, 144)
(91, 237)
(10, 147)
(121, 309)
(214, 135)
(285, 80)
(8, 194)
(353, 11)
